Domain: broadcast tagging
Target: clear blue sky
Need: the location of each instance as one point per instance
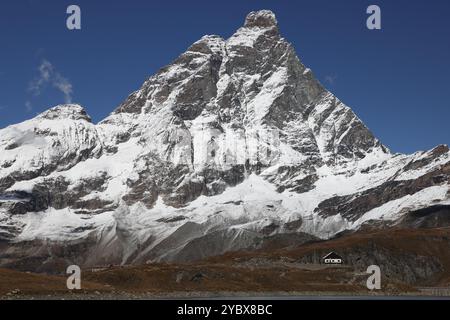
(397, 80)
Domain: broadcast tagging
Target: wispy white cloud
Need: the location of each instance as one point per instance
(331, 79)
(63, 85)
(28, 106)
(45, 71)
(48, 75)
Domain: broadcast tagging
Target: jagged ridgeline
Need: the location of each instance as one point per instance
(233, 144)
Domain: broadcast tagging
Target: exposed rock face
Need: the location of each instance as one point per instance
(430, 217)
(352, 207)
(261, 19)
(233, 142)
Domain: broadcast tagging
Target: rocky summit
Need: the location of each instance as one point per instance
(233, 144)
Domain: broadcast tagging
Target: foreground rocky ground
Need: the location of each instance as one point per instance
(410, 261)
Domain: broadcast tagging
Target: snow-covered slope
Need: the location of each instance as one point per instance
(232, 143)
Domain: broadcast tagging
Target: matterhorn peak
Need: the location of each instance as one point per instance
(261, 18)
(233, 144)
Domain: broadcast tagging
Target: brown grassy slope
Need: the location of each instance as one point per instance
(277, 270)
(216, 277)
(285, 269)
(421, 243)
(23, 283)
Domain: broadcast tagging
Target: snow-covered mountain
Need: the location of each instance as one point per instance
(233, 143)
